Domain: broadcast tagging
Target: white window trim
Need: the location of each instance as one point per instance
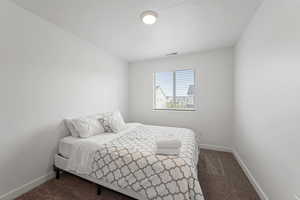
(174, 91)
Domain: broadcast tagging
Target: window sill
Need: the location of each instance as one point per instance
(185, 110)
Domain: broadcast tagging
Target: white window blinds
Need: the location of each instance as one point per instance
(174, 90)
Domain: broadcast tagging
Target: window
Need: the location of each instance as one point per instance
(174, 90)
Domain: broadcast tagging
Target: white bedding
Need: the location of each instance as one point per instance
(81, 150)
(128, 160)
(66, 144)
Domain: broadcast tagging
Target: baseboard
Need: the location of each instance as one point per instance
(215, 148)
(251, 178)
(26, 187)
(246, 170)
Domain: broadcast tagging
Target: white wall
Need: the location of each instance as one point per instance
(267, 87)
(47, 74)
(213, 118)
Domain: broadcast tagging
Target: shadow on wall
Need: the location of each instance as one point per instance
(36, 151)
(61, 131)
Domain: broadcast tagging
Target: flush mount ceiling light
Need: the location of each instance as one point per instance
(172, 54)
(149, 17)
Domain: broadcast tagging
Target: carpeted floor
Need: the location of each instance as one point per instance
(220, 176)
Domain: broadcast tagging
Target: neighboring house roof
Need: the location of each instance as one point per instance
(191, 90)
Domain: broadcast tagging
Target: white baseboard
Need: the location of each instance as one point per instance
(251, 178)
(26, 187)
(246, 170)
(215, 148)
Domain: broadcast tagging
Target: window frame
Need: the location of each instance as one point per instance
(174, 90)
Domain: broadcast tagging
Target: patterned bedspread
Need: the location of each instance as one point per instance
(130, 162)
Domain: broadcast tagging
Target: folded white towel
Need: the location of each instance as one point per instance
(168, 151)
(168, 143)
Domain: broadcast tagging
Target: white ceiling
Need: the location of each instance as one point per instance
(183, 25)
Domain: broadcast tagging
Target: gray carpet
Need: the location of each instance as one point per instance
(220, 176)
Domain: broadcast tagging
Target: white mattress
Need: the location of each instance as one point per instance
(66, 143)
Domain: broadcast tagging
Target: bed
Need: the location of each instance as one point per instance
(126, 162)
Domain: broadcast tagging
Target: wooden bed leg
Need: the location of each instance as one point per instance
(99, 190)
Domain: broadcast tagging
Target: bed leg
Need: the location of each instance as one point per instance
(99, 190)
(57, 172)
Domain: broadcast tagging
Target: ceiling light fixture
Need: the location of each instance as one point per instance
(172, 54)
(149, 17)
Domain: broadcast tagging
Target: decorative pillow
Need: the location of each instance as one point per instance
(112, 122)
(105, 120)
(84, 127)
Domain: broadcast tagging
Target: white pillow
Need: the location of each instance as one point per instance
(85, 127)
(112, 122)
(117, 121)
(71, 128)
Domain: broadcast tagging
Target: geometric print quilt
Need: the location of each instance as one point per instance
(130, 162)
